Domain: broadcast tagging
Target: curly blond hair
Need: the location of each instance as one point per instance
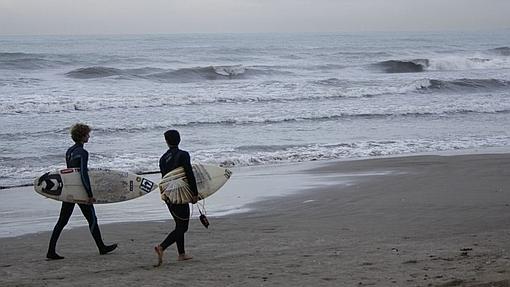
(79, 132)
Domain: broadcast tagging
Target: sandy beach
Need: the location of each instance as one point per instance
(403, 221)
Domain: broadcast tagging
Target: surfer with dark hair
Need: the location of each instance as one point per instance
(77, 157)
(172, 159)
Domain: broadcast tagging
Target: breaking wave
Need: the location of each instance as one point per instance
(203, 73)
(182, 75)
(447, 63)
(31, 106)
(503, 51)
(340, 89)
(263, 155)
(272, 154)
(398, 66)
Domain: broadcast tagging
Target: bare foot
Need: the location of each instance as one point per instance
(183, 257)
(159, 250)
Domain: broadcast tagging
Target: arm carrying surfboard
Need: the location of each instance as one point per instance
(175, 189)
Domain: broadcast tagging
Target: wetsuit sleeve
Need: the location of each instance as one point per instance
(186, 164)
(84, 172)
(161, 167)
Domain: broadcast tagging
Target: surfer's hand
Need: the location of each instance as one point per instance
(91, 200)
(194, 199)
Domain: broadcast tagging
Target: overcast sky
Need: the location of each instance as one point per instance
(182, 16)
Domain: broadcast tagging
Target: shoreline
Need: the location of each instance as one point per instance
(303, 176)
(484, 150)
(430, 221)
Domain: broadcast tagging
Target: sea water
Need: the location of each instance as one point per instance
(250, 99)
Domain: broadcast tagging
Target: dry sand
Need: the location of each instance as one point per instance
(430, 221)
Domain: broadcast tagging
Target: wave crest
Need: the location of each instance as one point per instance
(448, 63)
(202, 73)
(27, 61)
(266, 155)
(93, 72)
(465, 85)
(400, 66)
(182, 75)
(503, 51)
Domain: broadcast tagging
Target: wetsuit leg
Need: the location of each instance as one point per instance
(180, 213)
(65, 213)
(90, 214)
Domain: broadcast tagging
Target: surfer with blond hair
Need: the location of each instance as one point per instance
(172, 159)
(77, 157)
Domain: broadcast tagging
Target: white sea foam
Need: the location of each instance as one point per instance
(468, 63)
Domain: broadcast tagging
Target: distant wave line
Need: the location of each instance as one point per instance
(424, 85)
(182, 75)
(466, 84)
(231, 122)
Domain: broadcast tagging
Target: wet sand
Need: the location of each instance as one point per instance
(405, 221)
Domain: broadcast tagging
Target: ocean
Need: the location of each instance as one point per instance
(250, 99)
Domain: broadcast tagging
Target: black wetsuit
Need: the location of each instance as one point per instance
(77, 157)
(171, 160)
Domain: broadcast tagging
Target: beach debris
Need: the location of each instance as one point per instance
(454, 282)
(366, 284)
(464, 251)
(443, 258)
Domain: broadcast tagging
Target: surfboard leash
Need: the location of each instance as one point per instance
(203, 218)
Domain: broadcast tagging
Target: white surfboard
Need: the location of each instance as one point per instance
(209, 179)
(107, 185)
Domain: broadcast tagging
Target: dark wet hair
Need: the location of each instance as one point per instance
(172, 137)
(79, 132)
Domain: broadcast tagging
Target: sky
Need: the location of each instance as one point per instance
(76, 17)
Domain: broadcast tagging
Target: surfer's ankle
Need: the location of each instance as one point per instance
(53, 256)
(159, 251)
(107, 249)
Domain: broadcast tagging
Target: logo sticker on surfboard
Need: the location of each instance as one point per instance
(53, 183)
(146, 185)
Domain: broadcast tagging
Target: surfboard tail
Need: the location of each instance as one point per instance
(178, 192)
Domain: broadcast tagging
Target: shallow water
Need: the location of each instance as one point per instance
(23, 211)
